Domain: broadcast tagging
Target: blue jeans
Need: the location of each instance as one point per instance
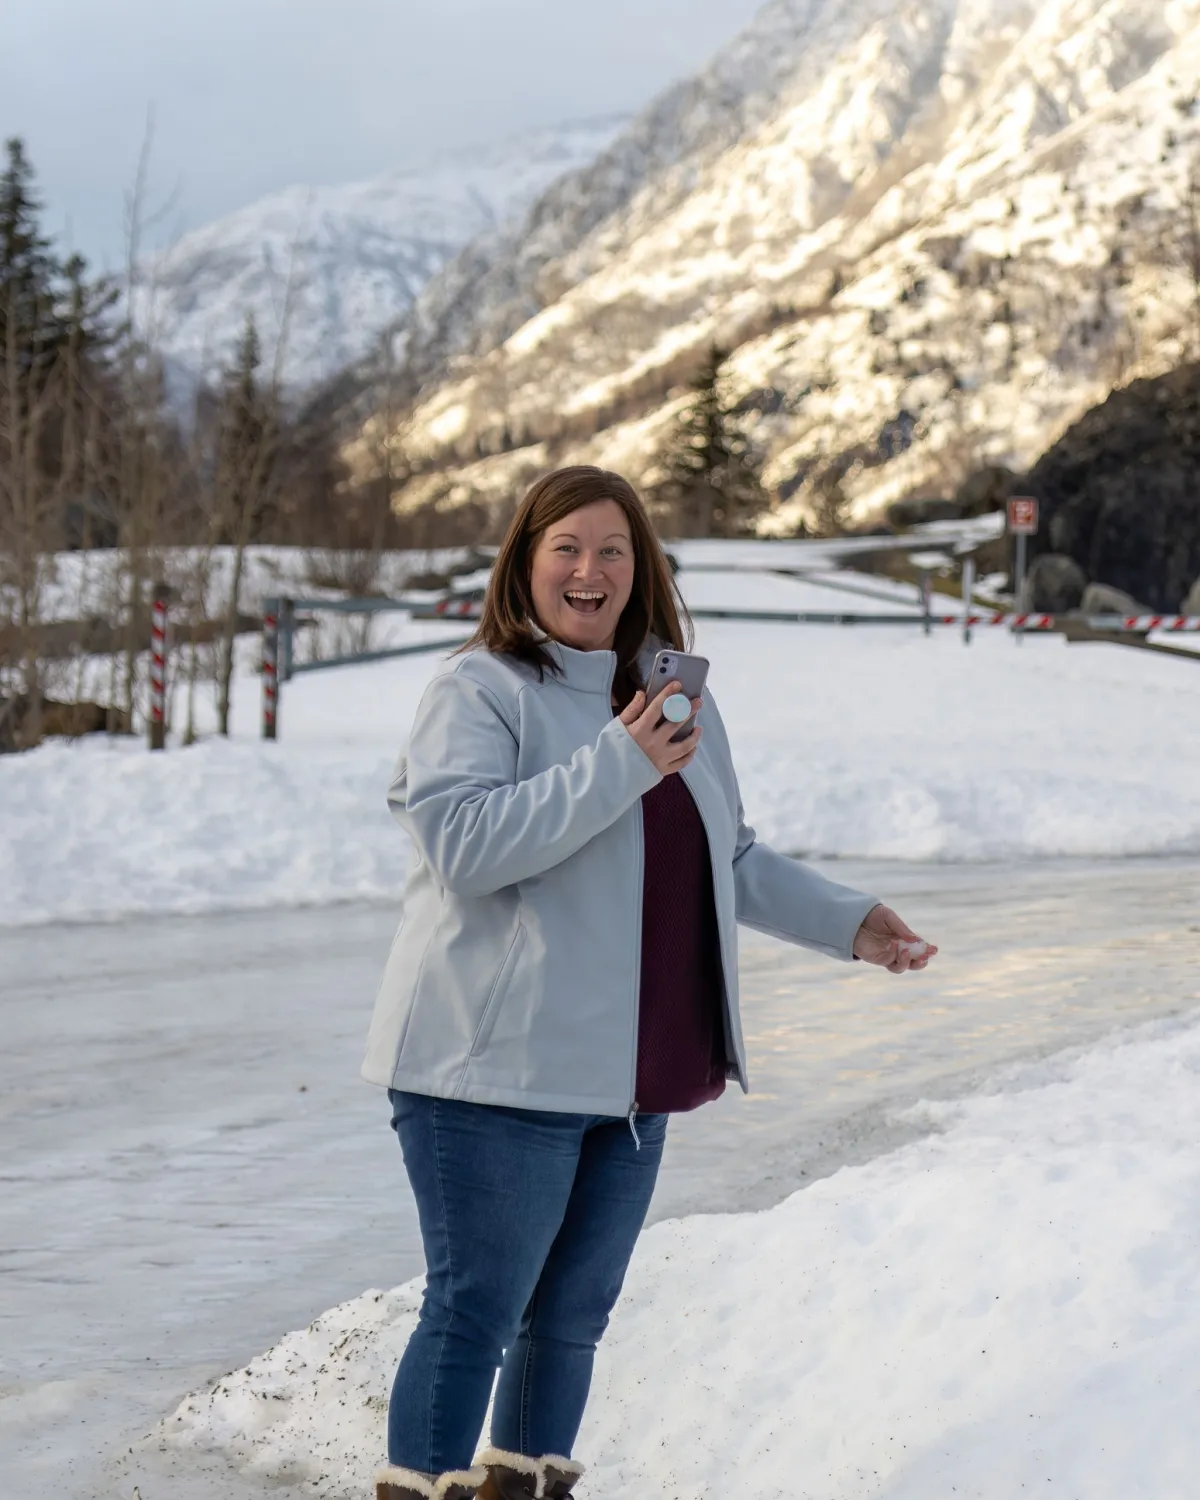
(528, 1220)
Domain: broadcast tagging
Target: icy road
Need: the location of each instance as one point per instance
(192, 1166)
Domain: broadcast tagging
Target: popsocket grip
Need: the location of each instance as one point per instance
(677, 708)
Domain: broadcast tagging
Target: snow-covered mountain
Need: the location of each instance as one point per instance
(335, 266)
(932, 232)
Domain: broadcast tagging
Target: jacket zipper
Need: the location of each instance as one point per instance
(631, 1117)
(637, 980)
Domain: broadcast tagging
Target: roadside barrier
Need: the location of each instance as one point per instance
(1141, 624)
(279, 621)
(470, 609)
(278, 657)
(464, 608)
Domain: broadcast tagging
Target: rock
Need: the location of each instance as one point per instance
(1191, 601)
(1054, 585)
(1102, 599)
(18, 731)
(1120, 490)
(985, 490)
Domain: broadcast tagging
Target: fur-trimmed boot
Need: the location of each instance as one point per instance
(512, 1476)
(392, 1483)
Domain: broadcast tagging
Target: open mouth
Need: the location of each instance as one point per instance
(585, 601)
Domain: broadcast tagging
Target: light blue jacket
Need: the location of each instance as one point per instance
(514, 976)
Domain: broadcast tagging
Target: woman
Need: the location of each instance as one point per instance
(564, 978)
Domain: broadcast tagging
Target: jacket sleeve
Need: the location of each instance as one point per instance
(779, 895)
(481, 829)
(785, 898)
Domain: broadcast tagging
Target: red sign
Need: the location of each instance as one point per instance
(1022, 515)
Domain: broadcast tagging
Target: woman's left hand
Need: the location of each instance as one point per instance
(885, 940)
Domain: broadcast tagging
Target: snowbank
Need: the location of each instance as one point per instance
(1005, 1307)
(870, 741)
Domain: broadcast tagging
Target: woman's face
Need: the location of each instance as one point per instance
(581, 576)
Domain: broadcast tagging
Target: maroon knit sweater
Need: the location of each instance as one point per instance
(681, 1031)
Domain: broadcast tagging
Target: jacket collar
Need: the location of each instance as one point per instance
(585, 671)
(592, 671)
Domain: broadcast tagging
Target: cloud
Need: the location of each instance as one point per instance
(254, 95)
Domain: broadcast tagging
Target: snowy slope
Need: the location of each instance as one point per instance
(356, 254)
(933, 233)
(502, 279)
(1003, 1308)
(873, 741)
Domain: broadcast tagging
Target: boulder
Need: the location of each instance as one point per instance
(1054, 585)
(1120, 490)
(1103, 599)
(18, 731)
(985, 490)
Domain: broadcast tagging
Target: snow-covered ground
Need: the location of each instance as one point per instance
(1005, 1307)
(869, 741)
(222, 1174)
(997, 1308)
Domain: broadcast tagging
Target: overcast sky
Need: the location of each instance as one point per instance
(254, 95)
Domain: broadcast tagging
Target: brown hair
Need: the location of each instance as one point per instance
(509, 623)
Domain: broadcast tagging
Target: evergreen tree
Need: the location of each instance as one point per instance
(31, 327)
(56, 335)
(247, 447)
(713, 474)
(245, 439)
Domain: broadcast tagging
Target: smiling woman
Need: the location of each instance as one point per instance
(564, 978)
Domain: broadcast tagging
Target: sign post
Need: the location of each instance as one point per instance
(968, 590)
(1022, 522)
(287, 630)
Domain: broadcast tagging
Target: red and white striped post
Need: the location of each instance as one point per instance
(270, 670)
(158, 668)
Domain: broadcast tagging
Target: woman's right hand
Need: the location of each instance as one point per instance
(653, 733)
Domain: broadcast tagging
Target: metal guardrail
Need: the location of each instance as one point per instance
(279, 625)
(414, 648)
(1137, 624)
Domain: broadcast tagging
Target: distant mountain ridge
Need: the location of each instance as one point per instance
(932, 233)
(339, 265)
(497, 281)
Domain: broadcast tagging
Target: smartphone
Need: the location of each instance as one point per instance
(689, 671)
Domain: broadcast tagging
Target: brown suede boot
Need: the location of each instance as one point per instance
(408, 1484)
(512, 1476)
